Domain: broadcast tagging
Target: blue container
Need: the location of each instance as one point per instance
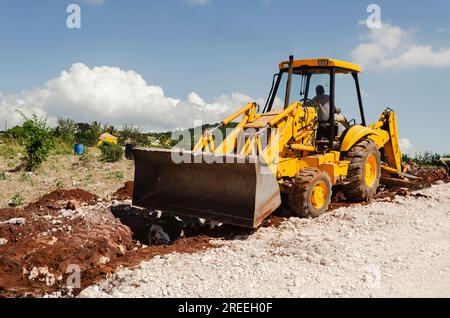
(78, 149)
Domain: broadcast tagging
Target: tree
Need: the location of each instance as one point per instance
(37, 141)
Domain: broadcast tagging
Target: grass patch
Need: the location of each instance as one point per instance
(62, 148)
(17, 200)
(25, 177)
(3, 176)
(87, 158)
(116, 175)
(89, 178)
(10, 149)
(60, 184)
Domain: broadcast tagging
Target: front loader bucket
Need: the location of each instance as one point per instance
(217, 188)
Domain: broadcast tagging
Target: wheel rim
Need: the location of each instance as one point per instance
(371, 170)
(318, 195)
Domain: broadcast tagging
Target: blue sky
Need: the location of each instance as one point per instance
(220, 47)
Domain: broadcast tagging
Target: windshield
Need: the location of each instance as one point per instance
(299, 89)
(278, 96)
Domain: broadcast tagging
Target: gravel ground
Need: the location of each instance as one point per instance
(385, 249)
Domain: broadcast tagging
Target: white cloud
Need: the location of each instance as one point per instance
(94, 2)
(197, 2)
(111, 95)
(405, 145)
(393, 47)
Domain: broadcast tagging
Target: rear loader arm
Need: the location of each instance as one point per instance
(388, 123)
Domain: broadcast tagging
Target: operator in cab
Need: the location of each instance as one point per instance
(322, 104)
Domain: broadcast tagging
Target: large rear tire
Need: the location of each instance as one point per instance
(310, 195)
(364, 172)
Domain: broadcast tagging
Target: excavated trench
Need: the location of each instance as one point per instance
(39, 243)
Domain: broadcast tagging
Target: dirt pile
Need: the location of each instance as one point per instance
(39, 251)
(125, 193)
(42, 242)
(59, 199)
(428, 176)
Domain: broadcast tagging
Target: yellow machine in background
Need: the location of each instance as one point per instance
(281, 151)
(107, 138)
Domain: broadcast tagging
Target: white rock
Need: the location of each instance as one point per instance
(103, 260)
(15, 221)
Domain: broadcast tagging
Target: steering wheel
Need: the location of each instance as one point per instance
(309, 102)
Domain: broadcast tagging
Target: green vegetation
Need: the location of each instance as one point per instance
(3, 176)
(10, 149)
(110, 129)
(116, 175)
(60, 147)
(24, 177)
(16, 134)
(60, 184)
(65, 131)
(17, 200)
(88, 134)
(89, 178)
(87, 158)
(37, 141)
(111, 152)
(424, 158)
(132, 135)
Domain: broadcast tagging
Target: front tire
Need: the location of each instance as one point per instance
(364, 171)
(310, 195)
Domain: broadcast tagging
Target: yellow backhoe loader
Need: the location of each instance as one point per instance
(282, 151)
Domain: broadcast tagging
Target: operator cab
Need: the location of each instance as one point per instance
(298, 80)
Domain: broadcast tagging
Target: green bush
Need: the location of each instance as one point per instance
(37, 141)
(406, 158)
(17, 200)
(132, 135)
(65, 130)
(88, 134)
(110, 129)
(424, 158)
(16, 134)
(111, 152)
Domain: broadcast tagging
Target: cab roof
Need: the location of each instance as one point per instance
(320, 63)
